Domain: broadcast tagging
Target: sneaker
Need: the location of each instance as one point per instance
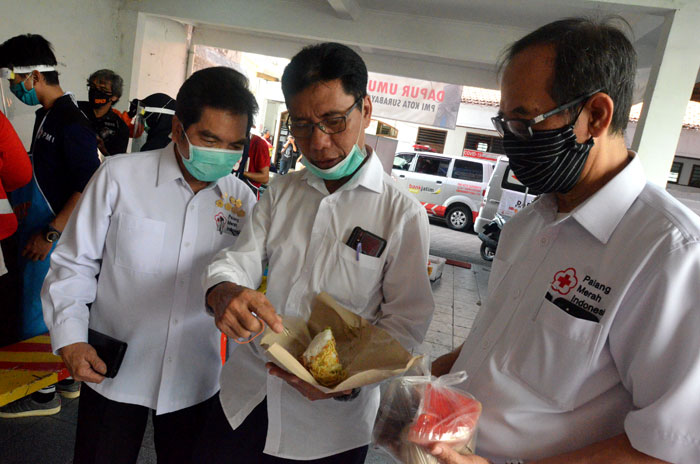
(27, 407)
(68, 388)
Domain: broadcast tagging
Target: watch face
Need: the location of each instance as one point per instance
(52, 236)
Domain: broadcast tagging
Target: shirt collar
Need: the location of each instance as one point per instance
(370, 176)
(168, 169)
(602, 212)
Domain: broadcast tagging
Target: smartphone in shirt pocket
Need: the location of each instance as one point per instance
(366, 242)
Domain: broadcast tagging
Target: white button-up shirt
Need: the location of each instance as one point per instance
(591, 327)
(139, 225)
(300, 231)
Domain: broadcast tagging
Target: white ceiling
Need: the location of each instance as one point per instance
(456, 41)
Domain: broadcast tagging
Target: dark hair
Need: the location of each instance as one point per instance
(29, 50)
(325, 62)
(591, 54)
(218, 87)
(107, 75)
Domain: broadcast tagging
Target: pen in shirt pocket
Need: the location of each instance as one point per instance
(358, 250)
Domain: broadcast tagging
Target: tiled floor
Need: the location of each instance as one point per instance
(458, 295)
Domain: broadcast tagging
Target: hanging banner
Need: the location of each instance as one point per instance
(414, 100)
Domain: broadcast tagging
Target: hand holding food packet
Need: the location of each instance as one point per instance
(418, 412)
(366, 354)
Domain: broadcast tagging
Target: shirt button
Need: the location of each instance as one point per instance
(544, 241)
(175, 321)
(170, 359)
(516, 294)
(486, 344)
(187, 244)
(191, 207)
(182, 282)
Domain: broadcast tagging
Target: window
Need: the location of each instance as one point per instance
(675, 172)
(468, 170)
(509, 182)
(435, 139)
(695, 176)
(386, 130)
(403, 161)
(481, 142)
(433, 165)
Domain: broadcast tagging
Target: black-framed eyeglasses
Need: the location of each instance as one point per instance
(522, 128)
(333, 125)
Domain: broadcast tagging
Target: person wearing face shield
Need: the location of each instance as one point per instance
(64, 157)
(149, 225)
(587, 348)
(302, 228)
(104, 90)
(155, 114)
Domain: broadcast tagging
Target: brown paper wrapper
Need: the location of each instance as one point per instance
(368, 353)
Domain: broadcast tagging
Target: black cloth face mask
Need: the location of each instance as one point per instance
(550, 161)
(97, 97)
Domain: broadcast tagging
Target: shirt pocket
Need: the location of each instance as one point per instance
(355, 278)
(139, 243)
(553, 355)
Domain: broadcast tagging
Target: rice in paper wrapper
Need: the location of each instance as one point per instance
(367, 353)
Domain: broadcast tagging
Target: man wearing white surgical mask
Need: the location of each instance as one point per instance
(149, 225)
(303, 230)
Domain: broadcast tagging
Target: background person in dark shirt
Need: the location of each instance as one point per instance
(64, 157)
(104, 90)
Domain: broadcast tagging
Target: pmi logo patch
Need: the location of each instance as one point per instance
(565, 281)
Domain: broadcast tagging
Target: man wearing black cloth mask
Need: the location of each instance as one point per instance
(104, 90)
(586, 350)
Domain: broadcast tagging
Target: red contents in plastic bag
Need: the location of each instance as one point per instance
(445, 416)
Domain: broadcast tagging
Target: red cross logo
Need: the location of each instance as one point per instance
(564, 281)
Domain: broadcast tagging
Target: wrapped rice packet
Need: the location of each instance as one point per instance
(417, 412)
(366, 354)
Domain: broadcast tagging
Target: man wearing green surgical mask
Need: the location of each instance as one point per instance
(302, 229)
(149, 224)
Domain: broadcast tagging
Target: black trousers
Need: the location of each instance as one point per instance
(112, 432)
(219, 443)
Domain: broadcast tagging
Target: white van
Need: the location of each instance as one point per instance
(450, 187)
(504, 195)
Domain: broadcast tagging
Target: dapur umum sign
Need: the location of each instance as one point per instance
(414, 100)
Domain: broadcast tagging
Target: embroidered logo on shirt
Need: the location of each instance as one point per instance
(564, 281)
(585, 302)
(220, 222)
(234, 211)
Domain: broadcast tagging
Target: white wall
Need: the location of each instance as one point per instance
(87, 35)
(160, 63)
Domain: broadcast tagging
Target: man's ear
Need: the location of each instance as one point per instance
(176, 129)
(600, 109)
(366, 111)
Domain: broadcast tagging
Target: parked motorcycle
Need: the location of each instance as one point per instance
(489, 237)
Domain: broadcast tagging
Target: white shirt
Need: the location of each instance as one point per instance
(300, 230)
(139, 225)
(629, 256)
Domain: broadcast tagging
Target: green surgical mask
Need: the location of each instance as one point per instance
(210, 164)
(343, 169)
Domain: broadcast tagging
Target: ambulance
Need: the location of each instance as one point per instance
(449, 187)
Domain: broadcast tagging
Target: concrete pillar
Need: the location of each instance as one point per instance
(668, 91)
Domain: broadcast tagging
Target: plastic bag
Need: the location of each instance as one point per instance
(417, 412)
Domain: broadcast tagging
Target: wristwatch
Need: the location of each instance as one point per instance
(51, 234)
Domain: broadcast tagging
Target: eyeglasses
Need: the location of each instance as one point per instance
(330, 126)
(522, 128)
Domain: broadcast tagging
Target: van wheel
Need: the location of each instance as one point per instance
(459, 218)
